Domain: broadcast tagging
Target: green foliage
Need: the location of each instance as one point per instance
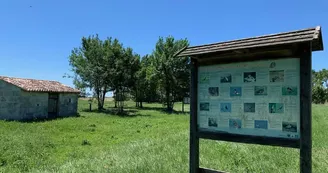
(172, 72)
(104, 66)
(319, 86)
(89, 67)
(319, 95)
(146, 86)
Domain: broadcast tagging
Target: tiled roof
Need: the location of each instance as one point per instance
(34, 85)
(306, 35)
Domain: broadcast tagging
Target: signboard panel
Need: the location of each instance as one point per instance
(259, 98)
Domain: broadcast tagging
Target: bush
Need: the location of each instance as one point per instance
(319, 95)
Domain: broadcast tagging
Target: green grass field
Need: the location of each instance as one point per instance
(147, 140)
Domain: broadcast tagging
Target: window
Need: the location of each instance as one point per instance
(69, 100)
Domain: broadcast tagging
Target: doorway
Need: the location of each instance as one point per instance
(53, 105)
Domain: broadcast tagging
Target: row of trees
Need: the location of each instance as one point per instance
(106, 65)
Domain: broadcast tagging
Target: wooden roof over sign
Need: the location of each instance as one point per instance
(312, 35)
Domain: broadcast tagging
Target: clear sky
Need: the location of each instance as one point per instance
(37, 36)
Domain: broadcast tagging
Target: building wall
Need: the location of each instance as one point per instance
(67, 104)
(34, 105)
(10, 96)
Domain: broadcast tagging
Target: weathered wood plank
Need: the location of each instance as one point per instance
(305, 105)
(194, 140)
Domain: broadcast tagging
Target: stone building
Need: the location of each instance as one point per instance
(29, 99)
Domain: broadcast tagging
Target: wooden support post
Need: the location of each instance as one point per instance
(90, 107)
(194, 140)
(183, 106)
(305, 110)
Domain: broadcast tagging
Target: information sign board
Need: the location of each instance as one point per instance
(260, 98)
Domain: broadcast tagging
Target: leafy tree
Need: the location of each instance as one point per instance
(104, 66)
(172, 72)
(319, 86)
(87, 63)
(319, 95)
(146, 87)
(125, 68)
(321, 77)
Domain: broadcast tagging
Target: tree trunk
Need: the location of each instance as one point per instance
(103, 97)
(168, 97)
(136, 96)
(98, 99)
(141, 104)
(115, 98)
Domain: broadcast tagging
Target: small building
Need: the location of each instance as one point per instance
(29, 99)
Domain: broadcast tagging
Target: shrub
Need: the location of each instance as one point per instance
(319, 95)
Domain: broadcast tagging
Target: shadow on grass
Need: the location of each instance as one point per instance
(162, 110)
(114, 111)
(46, 119)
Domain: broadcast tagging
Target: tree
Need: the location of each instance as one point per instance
(124, 76)
(145, 89)
(87, 63)
(319, 86)
(319, 95)
(321, 77)
(172, 72)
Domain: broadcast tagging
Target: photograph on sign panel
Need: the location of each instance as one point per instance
(225, 78)
(213, 91)
(249, 107)
(276, 107)
(235, 123)
(249, 77)
(289, 126)
(204, 78)
(212, 122)
(272, 65)
(225, 107)
(289, 91)
(260, 90)
(204, 106)
(235, 91)
(261, 124)
(277, 76)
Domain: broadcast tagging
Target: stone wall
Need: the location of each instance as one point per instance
(9, 101)
(67, 104)
(34, 105)
(16, 104)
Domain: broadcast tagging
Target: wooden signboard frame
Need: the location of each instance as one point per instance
(301, 50)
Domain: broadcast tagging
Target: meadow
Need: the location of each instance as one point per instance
(144, 140)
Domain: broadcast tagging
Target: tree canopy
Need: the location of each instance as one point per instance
(104, 66)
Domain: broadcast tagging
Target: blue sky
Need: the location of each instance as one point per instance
(35, 41)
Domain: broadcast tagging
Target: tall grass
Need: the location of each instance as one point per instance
(144, 140)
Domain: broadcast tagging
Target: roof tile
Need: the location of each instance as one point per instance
(34, 85)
